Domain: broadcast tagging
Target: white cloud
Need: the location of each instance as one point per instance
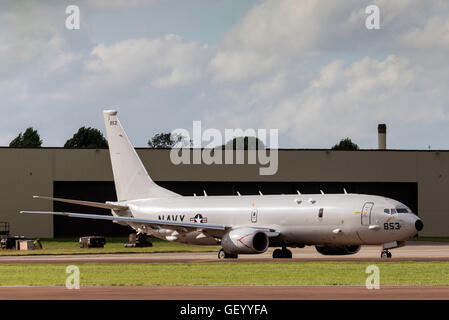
(310, 69)
(275, 32)
(402, 83)
(161, 62)
(121, 4)
(350, 100)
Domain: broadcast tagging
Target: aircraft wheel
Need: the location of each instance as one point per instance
(287, 254)
(277, 253)
(223, 255)
(282, 254)
(385, 254)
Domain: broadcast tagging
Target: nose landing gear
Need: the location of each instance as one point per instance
(385, 254)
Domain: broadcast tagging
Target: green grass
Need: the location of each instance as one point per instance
(226, 273)
(113, 245)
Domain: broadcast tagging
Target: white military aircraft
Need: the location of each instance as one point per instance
(337, 224)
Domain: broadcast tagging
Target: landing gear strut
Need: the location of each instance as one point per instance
(385, 254)
(224, 255)
(283, 253)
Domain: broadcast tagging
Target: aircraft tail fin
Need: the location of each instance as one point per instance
(130, 176)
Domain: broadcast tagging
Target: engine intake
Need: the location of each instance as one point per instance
(245, 240)
(337, 250)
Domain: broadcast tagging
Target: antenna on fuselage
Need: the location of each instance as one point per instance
(260, 192)
(239, 194)
(205, 194)
(321, 191)
(298, 192)
(344, 190)
(194, 194)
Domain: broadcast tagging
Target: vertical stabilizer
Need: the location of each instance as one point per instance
(131, 179)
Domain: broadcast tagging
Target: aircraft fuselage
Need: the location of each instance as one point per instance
(309, 219)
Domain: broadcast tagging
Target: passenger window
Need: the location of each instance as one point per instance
(320, 213)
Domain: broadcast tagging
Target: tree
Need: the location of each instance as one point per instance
(248, 143)
(29, 139)
(167, 140)
(345, 144)
(87, 138)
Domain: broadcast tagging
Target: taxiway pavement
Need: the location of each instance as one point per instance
(413, 251)
(226, 293)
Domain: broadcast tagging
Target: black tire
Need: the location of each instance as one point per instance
(221, 254)
(286, 254)
(224, 255)
(383, 255)
(277, 253)
(389, 255)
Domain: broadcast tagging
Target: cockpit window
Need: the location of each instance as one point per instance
(397, 210)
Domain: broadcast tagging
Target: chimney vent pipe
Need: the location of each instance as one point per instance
(382, 136)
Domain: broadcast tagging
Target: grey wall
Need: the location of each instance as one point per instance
(24, 172)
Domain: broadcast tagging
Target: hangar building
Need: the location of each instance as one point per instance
(420, 179)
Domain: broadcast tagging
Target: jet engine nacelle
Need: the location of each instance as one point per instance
(245, 240)
(337, 250)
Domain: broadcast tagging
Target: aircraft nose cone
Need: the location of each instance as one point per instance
(419, 225)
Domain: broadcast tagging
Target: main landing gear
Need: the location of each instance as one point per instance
(224, 255)
(385, 254)
(283, 253)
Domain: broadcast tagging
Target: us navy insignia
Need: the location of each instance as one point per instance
(198, 218)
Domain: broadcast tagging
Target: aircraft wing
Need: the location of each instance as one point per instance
(212, 229)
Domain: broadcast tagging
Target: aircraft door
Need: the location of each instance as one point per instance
(254, 215)
(366, 213)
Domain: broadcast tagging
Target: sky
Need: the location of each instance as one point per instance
(309, 68)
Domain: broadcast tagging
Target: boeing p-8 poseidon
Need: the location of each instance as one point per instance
(336, 224)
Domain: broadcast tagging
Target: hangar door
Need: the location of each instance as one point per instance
(90, 191)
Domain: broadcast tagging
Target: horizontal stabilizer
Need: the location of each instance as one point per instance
(135, 220)
(87, 203)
